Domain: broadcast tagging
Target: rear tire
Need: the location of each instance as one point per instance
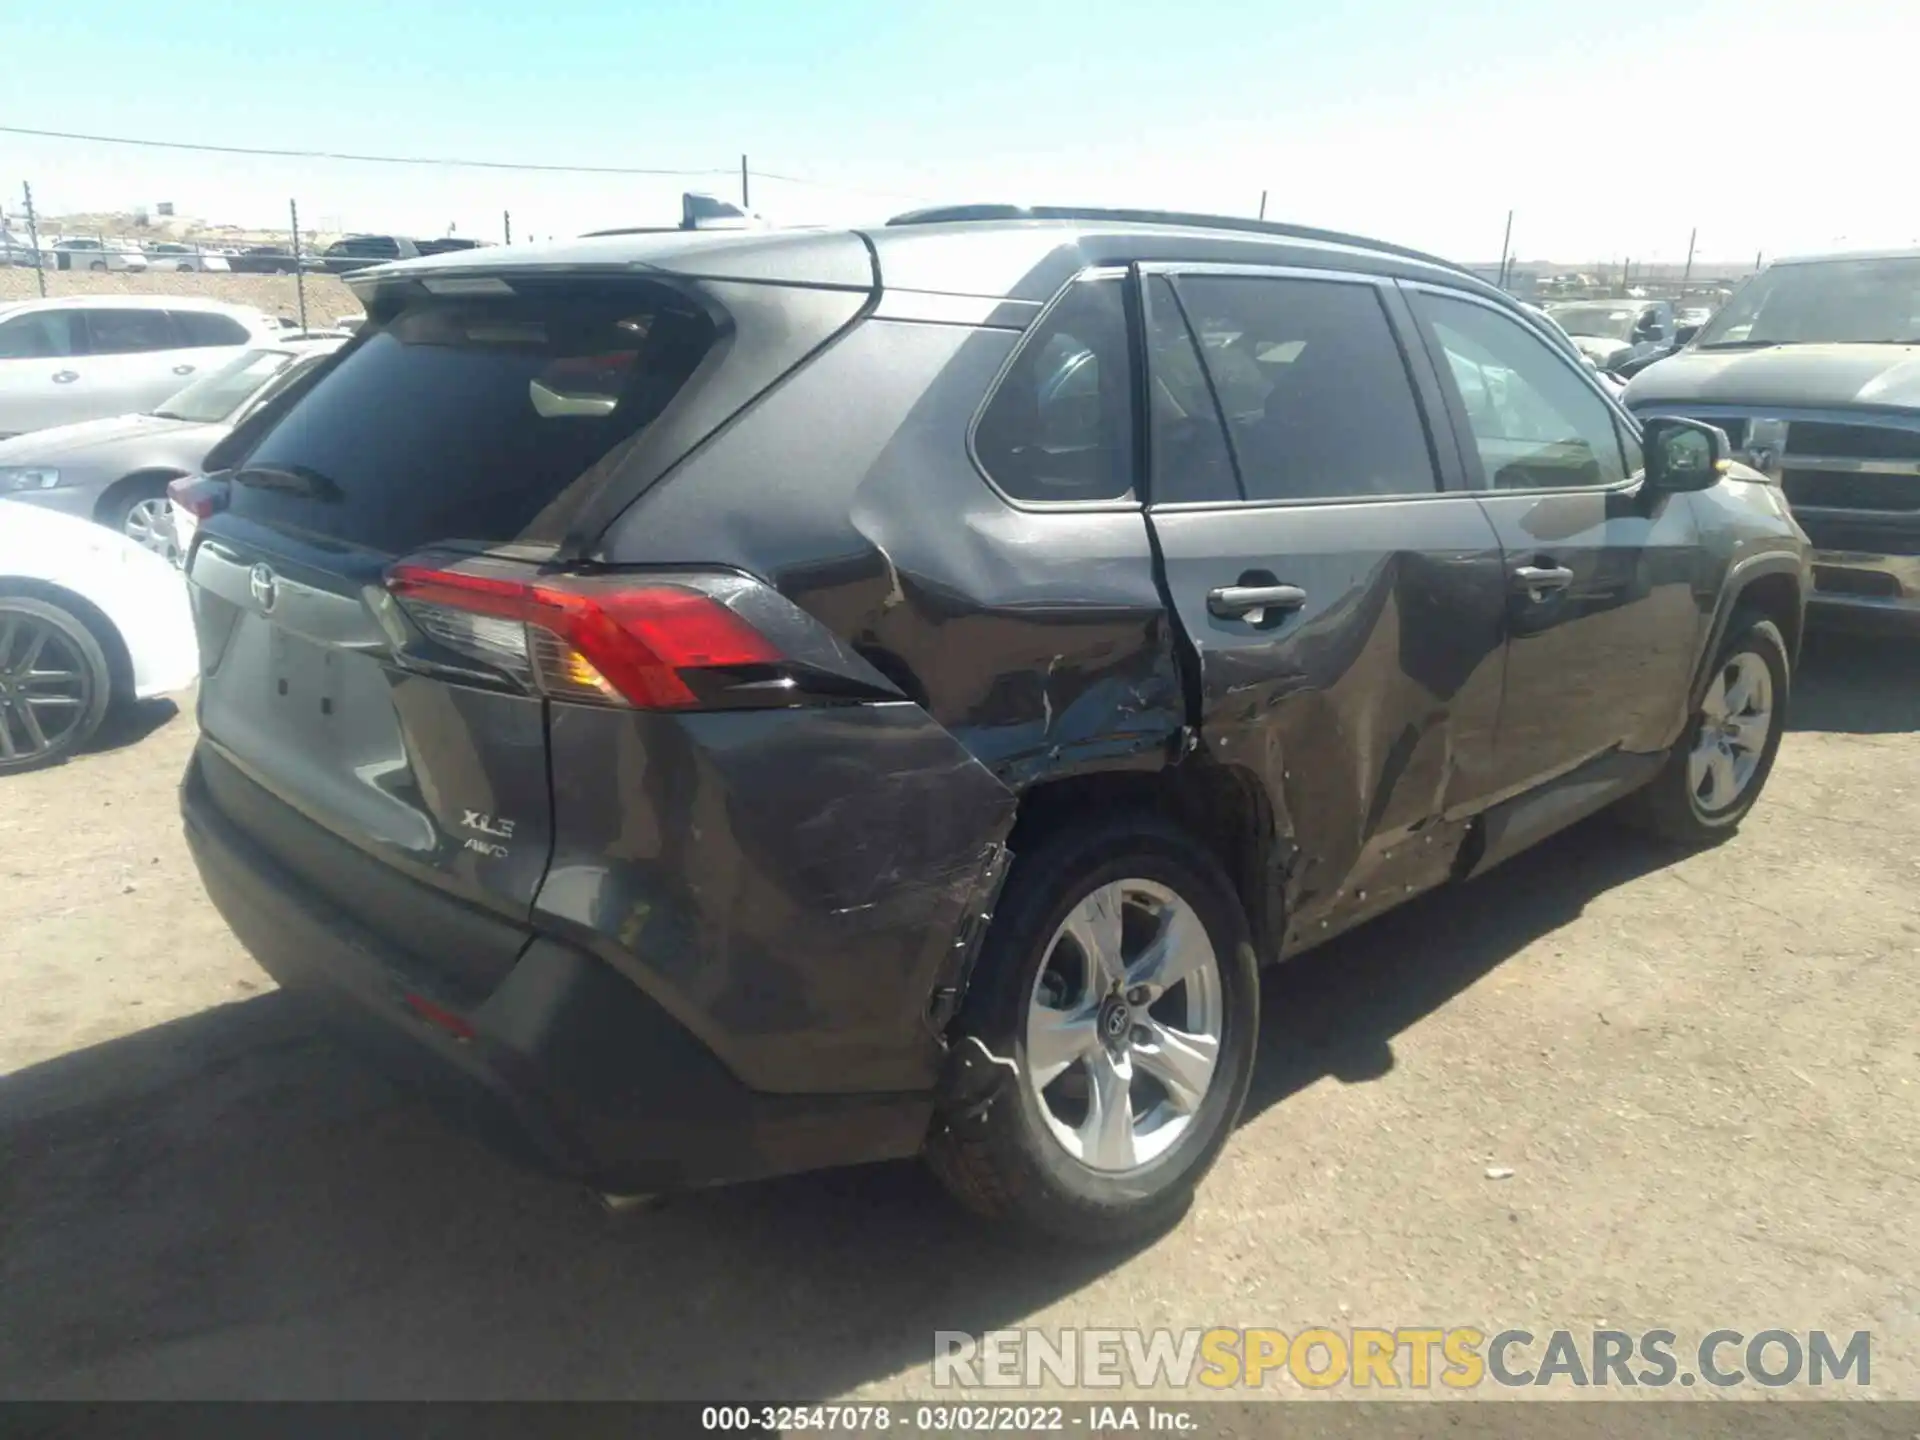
(45, 718)
(1716, 771)
(98, 265)
(1051, 1154)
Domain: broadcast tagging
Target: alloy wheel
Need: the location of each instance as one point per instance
(1124, 1025)
(149, 524)
(46, 686)
(1736, 721)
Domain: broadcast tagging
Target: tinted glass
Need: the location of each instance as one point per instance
(203, 327)
(466, 419)
(1536, 423)
(128, 332)
(220, 392)
(1838, 301)
(39, 335)
(1315, 392)
(1060, 426)
(1190, 457)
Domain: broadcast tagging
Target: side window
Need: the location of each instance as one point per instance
(127, 332)
(203, 327)
(39, 336)
(1536, 424)
(1313, 386)
(1190, 457)
(1060, 426)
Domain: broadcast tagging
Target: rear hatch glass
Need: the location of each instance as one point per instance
(471, 418)
(463, 418)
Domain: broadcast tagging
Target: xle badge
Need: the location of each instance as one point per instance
(496, 829)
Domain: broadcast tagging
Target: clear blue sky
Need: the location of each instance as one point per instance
(1612, 128)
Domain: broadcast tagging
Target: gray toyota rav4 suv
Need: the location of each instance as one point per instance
(732, 704)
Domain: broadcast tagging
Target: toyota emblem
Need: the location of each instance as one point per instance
(264, 587)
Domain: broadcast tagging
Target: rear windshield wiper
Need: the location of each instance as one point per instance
(309, 484)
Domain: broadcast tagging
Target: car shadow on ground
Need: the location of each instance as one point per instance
(1854, 684)
(227, 1205)
(130, 724)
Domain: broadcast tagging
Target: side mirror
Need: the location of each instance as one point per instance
(1684, 454)
(1683, 334)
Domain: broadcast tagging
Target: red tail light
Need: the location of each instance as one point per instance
(198, 495)
(582, 637)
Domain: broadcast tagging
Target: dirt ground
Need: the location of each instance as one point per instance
(328, 297)
(1702, 1071)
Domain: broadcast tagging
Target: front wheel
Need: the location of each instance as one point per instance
(54, 684)
(1110, 1028)
(1715, 774)
(141, 513)
(98, 265)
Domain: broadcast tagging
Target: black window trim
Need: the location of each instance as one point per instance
(1472, 470)
(1124, 276)
(1410, 359)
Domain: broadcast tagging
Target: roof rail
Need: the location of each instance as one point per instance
(944, 214)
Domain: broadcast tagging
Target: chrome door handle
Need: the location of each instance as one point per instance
(183, 369)
(65, 377)
(1539, 581)
(1251, 602)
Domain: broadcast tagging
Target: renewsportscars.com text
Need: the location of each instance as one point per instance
(1459, 1358)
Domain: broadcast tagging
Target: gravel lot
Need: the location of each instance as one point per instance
(1702, 1070)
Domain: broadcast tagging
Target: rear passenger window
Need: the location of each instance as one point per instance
(1060, 426)
(1316, 395)
(1190, 459)
(127, 332)
(204, 328)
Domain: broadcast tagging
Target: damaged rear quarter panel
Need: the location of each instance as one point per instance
(1037, 637)
(787, 883)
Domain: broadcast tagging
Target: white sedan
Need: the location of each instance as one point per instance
(88, 620)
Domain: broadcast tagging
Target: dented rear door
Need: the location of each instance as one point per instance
(1344, 612)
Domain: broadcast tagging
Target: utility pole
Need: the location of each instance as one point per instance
(33, 237)
(299, 270)
(1687, 274)
(745, 203)
(506, 225)
(1506, 242)
(1756, 260)
(1263, 204)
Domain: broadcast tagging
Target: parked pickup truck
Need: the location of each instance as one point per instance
(1813, 370)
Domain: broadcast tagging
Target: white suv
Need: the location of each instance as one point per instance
(85, 358)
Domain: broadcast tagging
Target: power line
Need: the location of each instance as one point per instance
(364, 159)
(141, 142)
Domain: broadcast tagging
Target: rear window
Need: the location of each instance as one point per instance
(467, 419)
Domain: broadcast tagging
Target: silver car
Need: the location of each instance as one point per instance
(116, 471)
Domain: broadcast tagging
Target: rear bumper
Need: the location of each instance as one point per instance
(567, 1064)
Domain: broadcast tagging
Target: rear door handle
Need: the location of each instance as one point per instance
(65, 377)
(183, 369)
(1251, 602)
(1539, 581)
